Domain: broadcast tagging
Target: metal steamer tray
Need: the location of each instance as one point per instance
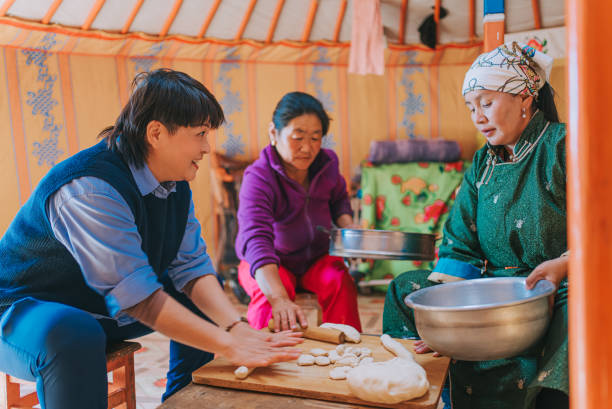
(381, 244)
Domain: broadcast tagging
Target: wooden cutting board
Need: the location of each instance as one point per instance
(288, 378)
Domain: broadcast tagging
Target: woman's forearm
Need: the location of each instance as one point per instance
(167, 316)
(270, 283)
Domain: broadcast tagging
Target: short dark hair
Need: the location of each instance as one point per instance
(171, 97)
(295, 104)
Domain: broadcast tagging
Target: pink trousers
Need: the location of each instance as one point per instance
(328, 278)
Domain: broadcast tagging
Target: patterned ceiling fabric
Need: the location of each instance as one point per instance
(62, 86)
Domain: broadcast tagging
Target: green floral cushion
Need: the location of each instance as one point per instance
(411, 197)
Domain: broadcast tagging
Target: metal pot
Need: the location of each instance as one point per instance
(482, 319)
(381, 244)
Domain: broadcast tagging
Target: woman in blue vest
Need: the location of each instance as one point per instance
(108, 248)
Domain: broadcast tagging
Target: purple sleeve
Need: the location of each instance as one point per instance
(255, 239)
(339, 203)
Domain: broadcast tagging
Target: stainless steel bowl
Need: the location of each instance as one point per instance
(482, 319)
(381, 244)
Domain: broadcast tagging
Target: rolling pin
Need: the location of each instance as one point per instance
(317, 333)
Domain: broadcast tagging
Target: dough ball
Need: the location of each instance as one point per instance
(352, 350)
(322, 360)
(333, 356)
(318, 352)
(365, 352)
(347, 361)
(366, 360)
(305, 360)
(339, 372)
(340, 349)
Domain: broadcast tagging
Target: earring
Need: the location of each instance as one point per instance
(273, 142)
(524, 115)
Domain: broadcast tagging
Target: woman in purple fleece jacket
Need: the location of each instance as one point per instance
(292, 188)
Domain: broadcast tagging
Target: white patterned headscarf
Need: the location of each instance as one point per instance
(514, 68)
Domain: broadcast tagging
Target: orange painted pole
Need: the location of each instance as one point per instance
(209, 17)
(401, 34)
(589, 198)
(312, 12)
(5, 6)
(472, 7)
(52, 9)
(171, 17)
(275, 17)
(493, 31)
(92, 14)
(132, 16)
(245, 20)
(537, 21)
(339, 20)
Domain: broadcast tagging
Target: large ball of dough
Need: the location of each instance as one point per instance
(390, 381)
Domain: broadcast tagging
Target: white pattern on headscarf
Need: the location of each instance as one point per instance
(514, 68)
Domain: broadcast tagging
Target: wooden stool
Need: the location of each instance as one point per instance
(121, 389)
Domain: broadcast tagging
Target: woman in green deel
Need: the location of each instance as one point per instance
(509, 219)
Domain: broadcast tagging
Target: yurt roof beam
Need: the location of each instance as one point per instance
(52, 9)
(472, 7)
(132, 16)
(437, 19)
(171, 17)
(402, 22)
(92, 14)
(245, 20)
(209, 18)
(535, 5)
(312, 12)
(7, 5)
(339, 20)
(277, 12)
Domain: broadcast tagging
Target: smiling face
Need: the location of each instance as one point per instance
(298, 143)
(499, 115)
(175, 157)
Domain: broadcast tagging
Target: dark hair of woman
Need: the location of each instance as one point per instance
(295, 104)
(171, 97)
(545, 102)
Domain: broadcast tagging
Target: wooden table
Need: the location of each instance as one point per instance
(212, 397)
(286, 385)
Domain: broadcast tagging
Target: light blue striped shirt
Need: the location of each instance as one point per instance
(93, 221)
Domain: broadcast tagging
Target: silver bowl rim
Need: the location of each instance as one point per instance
(386, 232)
(547, 290)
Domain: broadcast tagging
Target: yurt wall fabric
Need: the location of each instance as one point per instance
(62, 86)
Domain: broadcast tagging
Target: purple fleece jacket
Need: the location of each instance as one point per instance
(278, 219)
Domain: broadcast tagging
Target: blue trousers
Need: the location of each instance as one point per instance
(62, 349)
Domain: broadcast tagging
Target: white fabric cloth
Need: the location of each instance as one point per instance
(513, 67)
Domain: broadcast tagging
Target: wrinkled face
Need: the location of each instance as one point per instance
(175, 157)
(498, 115)
(299, 142)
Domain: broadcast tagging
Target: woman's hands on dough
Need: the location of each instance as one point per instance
(286, 314)
(420, 347)
(261, 349)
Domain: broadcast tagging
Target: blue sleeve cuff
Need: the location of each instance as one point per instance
(131, 290)
(195, 268)
(457, 268)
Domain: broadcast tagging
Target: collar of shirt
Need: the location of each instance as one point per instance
(147, 183)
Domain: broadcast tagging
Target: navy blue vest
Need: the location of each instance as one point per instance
(34, 264)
